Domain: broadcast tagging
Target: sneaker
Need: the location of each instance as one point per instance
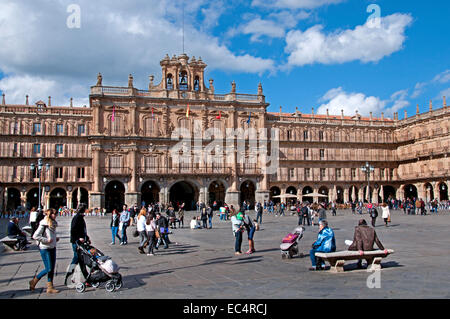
(313, 268)
(248, 252)
(121, 243)
(112, 243)
(237, 253)
(150, 255)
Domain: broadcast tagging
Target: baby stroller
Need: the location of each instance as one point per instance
(102, 269)
(289, 245)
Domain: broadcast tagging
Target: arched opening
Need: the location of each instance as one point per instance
(216, 192)
(339, 195)
(169, 81)
(197, 83)
(114, 196)
(323, 191)
(410, 191)
(248, 193)
(275, 191)
(77, 199)
(149, 193)
(58, 198)
(429, 192)
(183, 85)
(291, 190)
(307, 190)
(389, 193)
(183, 192)
(443, 191)
(13, 199)
(33, 198)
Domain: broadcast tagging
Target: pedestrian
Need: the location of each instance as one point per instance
(259, 212)
(181, 217)
(115, 226)
(237, 225)
(374, 215)
(150, 227)
(45, 235)
(322, 212)
(134, 211)
(140, 227)
(386, 215)
(162, 225)
(333, 208)
(124, 223)
(305, 215)
(204, 217)
(78, 233)
(210, 213)
(251, 228)
(33, 220)
(325, 243)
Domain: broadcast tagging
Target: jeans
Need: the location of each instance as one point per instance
(204, 221)
(49, 259)
(312, 256)
(259, 217)
(115, 231)
(143, 238)
(124, 234)
(210, 221)
(151, 241)
(238, 241)
(80, 262)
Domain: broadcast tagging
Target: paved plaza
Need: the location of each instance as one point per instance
(203, 264)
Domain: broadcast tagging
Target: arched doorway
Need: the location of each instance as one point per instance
(292, 191)
(13, 199)
(324, 192)
(183, 192)
(275, 191)
(33, 198)
(114, 196)
(216, 192)
(307, 190)
(248, 193)
(429, 193)
(149, 193)
(58, 198)
(83, 199)
(410, 191)
(443, 191)
(389, 193)
(339, 195)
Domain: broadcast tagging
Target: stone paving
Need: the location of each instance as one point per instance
(203, 266)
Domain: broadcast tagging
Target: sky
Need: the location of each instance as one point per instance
(352, 55)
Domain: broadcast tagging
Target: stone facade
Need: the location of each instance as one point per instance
(126, 146)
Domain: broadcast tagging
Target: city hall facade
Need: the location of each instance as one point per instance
(120, 148)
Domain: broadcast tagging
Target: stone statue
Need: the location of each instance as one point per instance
(233, 87)
(99, 79)
(130, 81)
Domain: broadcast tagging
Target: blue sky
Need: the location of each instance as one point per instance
(306, 53)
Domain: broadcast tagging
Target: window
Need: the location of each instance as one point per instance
(320, 135)
(36, 128)
(14, 128)
(169, 82)
(59, 129)
(196, 84)
(14, 173)
(322, 154)
(322, 172)
(307, 172)
(305, 135)
(291, 172)
(58, 172)
(353, 172)
(80, 172)
(183, 80)
(338, 173)
(391, 173)
(15, 149)
(34, 173)
(36, 148)
(81, 129)
(382, 173)
(59, 148)
(306, 153)
(289, 134)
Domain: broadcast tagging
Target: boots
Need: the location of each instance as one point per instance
(51, 289)
(33, 283)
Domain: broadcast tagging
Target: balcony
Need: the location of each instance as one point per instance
(116, 171)
(184, 170)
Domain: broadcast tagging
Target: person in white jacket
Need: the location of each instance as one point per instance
(385, 213)
(45, 235)
(140, 227)
(150, 227)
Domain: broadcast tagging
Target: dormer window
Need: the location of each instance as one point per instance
(183, 80)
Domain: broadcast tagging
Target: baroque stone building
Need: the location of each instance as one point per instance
(170, 143)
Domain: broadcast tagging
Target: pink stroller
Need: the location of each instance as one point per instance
(289, 245)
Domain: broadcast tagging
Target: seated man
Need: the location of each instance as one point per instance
(195, 223)
(325, 243)
(364, 239)
(15, 232)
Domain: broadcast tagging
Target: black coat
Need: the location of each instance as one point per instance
(115, 223)
(78, 228)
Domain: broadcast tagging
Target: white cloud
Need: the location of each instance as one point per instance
(418, 89)
(294, 4)
(337, 99)
(364, 43)
(443, 77)
(115, 38)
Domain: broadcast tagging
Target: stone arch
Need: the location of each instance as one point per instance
(114, 195)
(58, 198)
(149, 192)
(184, 191)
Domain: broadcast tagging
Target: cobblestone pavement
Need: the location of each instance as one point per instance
(202, 264)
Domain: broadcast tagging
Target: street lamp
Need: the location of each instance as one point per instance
(39, 167)
(368, 169)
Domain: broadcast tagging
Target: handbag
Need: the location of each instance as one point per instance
(157, 235)
(389, 219)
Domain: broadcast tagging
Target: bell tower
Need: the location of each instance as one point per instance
(178, 73)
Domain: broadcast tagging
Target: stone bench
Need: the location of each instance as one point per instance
(10, 243)
(27, 229)
(338, 259)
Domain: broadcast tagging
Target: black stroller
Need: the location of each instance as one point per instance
(102, 269)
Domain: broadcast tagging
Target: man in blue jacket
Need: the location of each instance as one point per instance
(325, 243)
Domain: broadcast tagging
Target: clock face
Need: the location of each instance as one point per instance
(183, 95)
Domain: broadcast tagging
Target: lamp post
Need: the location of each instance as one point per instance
(368, 169)
(39, 167)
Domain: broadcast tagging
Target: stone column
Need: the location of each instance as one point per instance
(421, 191)
(132, 196)
(96, 193)
(315, 191)
(69, 199)
(375, 196)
